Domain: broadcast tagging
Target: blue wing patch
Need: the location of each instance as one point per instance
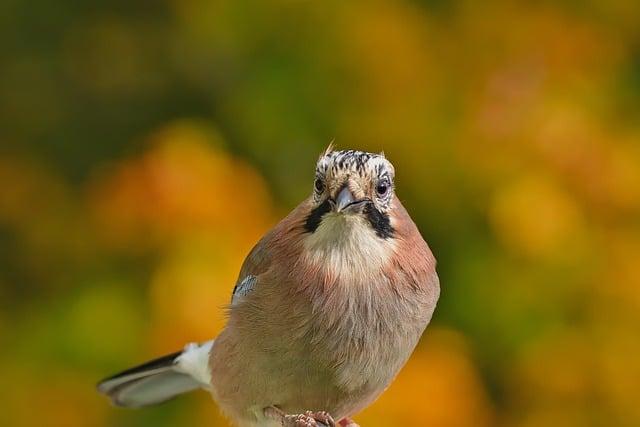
(243, 287)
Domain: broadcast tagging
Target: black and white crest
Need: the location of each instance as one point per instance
(360, 162)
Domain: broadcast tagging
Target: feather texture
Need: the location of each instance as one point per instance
(332, 317)
(160, 379)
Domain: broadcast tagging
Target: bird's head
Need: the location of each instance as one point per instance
(353, 186)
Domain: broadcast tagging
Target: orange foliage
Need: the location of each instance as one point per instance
(142, 146)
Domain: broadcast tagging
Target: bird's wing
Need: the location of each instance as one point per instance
(261, 257)
(243, 287)
(256, 263)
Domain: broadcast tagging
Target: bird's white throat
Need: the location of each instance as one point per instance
(347, 244)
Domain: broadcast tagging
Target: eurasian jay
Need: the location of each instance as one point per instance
(328, 307)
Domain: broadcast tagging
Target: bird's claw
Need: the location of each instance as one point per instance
(347, 422)
(308, 419)
(323, 417)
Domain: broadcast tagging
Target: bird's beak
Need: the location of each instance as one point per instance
(345, 200)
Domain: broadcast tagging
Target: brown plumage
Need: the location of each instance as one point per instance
(329, 304)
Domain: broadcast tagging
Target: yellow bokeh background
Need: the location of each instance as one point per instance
(145, 147)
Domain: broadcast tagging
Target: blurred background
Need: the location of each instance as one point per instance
(145, 146)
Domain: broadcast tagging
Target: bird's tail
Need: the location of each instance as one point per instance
(160, 379)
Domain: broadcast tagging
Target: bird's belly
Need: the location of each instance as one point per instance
(342, 377)
(303, 384)
(344, 372)
(335, 354)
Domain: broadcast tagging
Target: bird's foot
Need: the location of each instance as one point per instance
(307, 419)
(347, 422)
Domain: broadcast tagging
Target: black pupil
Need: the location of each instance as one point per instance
(319, 185)
(381, 188)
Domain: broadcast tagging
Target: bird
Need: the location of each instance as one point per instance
(328, 307)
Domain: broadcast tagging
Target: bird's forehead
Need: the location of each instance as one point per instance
(337, 163)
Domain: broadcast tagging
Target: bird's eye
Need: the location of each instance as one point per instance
(382, 188)
(318, 185)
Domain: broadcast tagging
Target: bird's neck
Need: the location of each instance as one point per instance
(347, 247)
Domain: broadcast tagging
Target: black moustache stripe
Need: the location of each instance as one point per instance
(315, 217)
(379, 221)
